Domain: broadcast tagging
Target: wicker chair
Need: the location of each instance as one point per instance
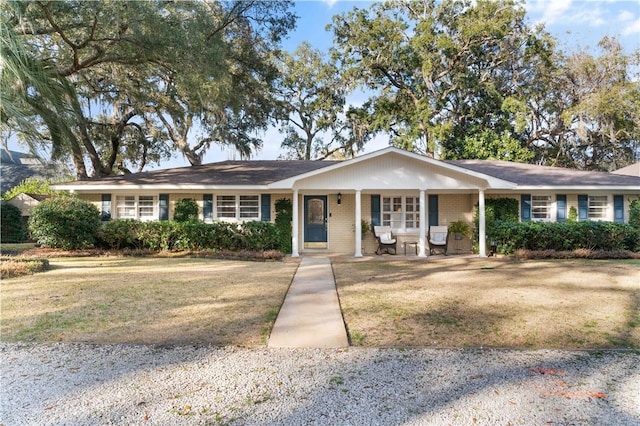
(385, 239)
(438, 239)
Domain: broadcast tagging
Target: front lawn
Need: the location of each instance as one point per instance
(145, 300)
(492, 302)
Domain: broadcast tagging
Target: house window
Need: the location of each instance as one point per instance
(238, 207)
(225, 206)
(141, 207)
(126, 206)
(249, 207)
(597, 207)
(541, 207)
(146, 205)
(401, 212)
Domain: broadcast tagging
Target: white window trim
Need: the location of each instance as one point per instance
(605, 209)
(400, 216)
(136, 207)
(551, 208)
(236, 218)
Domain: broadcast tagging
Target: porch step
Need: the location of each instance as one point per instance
(310, 316)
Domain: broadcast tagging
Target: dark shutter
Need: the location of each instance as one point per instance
(207, 207)
(433, 210)
(106, 207)
(561, 208)
(375, 210)
(265, 207)
(618, 208)
(163, 207)
(583, 207)
(525, 207)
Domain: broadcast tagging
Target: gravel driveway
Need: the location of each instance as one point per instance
(75, 384)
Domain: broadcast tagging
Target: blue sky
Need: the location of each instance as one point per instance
(575, 23)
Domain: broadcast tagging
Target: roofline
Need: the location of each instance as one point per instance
(500, 183)
(146, 187)
(577, 188)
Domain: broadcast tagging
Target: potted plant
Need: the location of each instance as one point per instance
(459, 229)
(364, 227)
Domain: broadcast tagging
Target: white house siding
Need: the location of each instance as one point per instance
(390, 173)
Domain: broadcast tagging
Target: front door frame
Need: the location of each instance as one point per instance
(315, 235)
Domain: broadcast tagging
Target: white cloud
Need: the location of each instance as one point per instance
(550, 11)
(625, 16)
(632, 28)
(329, 3)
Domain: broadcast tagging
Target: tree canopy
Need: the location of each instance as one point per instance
(463, 79)
(113, 87)
(133, 79)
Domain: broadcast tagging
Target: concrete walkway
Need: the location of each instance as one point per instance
(310, 316)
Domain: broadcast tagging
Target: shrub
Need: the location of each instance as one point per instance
(284, 216)
(260, 236)
(65, 223)
(573, 214)
(119, 234)
(634, 214)
(186, 210)
(567, 236)
(12, 229)
(16, 266)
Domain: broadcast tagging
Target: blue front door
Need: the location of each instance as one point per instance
(315, 221)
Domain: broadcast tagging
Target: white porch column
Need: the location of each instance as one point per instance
(294, 225)
(358, 224)
(422, 238)
(482, 225)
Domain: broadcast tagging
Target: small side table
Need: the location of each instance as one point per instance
(409, 243)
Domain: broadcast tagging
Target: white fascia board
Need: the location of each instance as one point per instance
(492, 182)
(163, 188)
(576, 188)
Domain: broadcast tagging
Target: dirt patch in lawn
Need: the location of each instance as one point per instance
(486, 302)
(146, 300)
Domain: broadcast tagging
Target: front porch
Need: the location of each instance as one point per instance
(342, 214)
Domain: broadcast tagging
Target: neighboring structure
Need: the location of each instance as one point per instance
(18, 166)
(389, 187)
(26, 202)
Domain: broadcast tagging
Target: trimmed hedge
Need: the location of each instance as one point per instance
(193, 235)
(565, 236)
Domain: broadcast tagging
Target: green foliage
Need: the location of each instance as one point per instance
(191, 235)
(32, 185)
(313, 97)
(442, 71)
(284, 216)
(573, 214)
(65, 223)
(459, 227)
(12, 229)
(567, 236)
(154, 71)
(634, 214)
(186, 209)
(118, 234)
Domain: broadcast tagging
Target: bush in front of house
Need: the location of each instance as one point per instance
(284, 216)
(65, 223)
(118, 234)
(12, 229)
(634, 214)
(563, 236)
(192, 235)
(185, 210)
